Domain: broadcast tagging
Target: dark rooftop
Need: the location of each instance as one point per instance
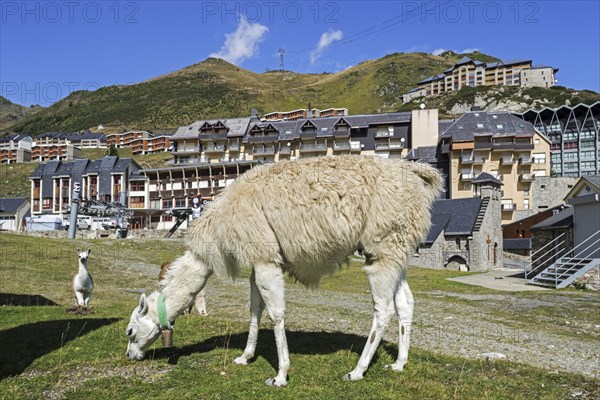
(560, 220)
(454, 217)
(11, 204)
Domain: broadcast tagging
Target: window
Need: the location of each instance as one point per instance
(499, 126)
(479, 126)
(543, 187)
(526, 204)
(167, 203)
(466, 186)
(180, 202)
(537, 141)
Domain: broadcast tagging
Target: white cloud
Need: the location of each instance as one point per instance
(243, 43)
(437, 52)
(324, 41)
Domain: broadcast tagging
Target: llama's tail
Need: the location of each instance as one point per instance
(431, 177)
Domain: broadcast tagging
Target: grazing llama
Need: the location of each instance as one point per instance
(303, 218)
(199, 301)
(83, 283)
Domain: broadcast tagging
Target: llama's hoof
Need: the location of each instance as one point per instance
(241, 360)
(395, 367)
(203, 313)
(273, 382)
(352, 376)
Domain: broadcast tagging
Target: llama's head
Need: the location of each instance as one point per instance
(142, 329)
(83, 255)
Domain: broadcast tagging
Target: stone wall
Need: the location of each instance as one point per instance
(590, 280)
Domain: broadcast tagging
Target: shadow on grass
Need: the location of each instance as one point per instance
(299, 343)
(11, 299)
(21, 345)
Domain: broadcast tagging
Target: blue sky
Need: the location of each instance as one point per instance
(50, 48)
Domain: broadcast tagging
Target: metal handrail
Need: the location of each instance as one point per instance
(577, 256)
(543, 255)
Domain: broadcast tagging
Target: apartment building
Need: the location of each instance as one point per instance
(151, 144)
(574, 133)
(125, 139)
(154, 191)
(304, 113)
(388, 135)
(54, 146)
(105, 179)
(15, 148)
(210, 141)
(502, 145)
(468, 73)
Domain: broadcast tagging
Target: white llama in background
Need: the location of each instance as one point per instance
(83, 283)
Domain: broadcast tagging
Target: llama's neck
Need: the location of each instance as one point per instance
(83, 270)
(184, 279)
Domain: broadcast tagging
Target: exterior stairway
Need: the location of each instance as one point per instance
(484, 204)
(555, 266)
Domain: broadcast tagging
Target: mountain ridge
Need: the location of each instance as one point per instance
(214, 88)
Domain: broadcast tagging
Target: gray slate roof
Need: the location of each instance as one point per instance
(485, 177)
(593, 179)
(561, 220)
(9, 205)
(466, 127)
(453, 217)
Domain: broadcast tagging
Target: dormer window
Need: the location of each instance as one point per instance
(479, 126)
(495, 116)
(499, 126)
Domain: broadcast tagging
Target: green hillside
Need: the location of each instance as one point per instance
(11, 113)
(214, 88)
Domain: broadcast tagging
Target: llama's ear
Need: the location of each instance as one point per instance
(89, 251)
(78, 250)
(143, 305)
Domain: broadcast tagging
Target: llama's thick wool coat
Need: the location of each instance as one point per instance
(307, 216)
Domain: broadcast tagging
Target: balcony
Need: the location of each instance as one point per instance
(483, 145)
(506, 160)
(320, 147)
(389, 146)
(341, 146)
(341, 132)
(263, 150)
(478, 160)
(466, 177)
(210, 137)
(509, 207)
(526, 178)
(512, 146)
(466, 159)
(263, 138)
(525, 161)
(285, 149)
(214, 149)
(185, 151)
(36, 192)
(234, 147)
(383, 134)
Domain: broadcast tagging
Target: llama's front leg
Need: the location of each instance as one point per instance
(383, 309)
(404, 307)
(86, 300)
(201, 303)
(79, 297)
(256, 309)
(270, 283)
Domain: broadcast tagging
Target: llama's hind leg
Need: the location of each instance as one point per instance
(200, 303)
(87, 297)
(383, 287)
(257, 306)
(270, 283)
(404, 307)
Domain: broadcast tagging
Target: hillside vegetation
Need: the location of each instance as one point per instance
(214, 89)
(11, 113)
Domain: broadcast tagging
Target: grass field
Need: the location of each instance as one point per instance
(47, 353)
